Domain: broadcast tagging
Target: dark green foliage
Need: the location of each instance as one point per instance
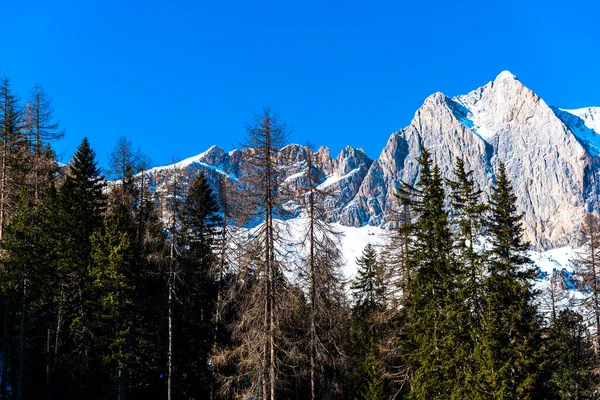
(367, 286)
(568, 348)
(82, 203)
(195, 327)
(367, 298)
(507, 351)
(29, 279)
(432, 331)
(468, 220)
(84, 310)
(112, 287)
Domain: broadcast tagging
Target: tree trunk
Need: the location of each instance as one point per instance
(170, 350)
(3, 187)
(21, 384)
(48, 362)
(5, 350)
(313, 300)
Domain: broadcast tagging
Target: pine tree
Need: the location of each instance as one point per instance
(82, 204)
(468, 219)
(112, 299)
(368, 290)
(570, 355)
(367, 286)
(511, 336)
(131, 199)
(201, 224)
(431, 302)
(29, 277)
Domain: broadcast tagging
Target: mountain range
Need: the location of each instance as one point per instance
(552, 156)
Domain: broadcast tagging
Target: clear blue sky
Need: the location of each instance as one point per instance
(179, 76)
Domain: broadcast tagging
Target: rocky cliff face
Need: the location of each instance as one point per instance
(551, 155)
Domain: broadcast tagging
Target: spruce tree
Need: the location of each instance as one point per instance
(507, 352)
(367, 286)
(29, 278)
(82, 203)
(570, 354)
(468, 220)
(368, 291)
(201, 223)
(431, 302)
(112, 302)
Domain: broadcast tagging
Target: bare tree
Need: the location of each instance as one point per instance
(587, 268)
(41, 129)
(260, 288)
(11, 143)
(554, 297)
(325, 284)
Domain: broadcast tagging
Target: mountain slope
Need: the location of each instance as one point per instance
(551, 155)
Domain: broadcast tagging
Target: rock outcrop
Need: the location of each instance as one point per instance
(551, 155)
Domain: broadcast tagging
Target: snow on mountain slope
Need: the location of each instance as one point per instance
(556, 262)
(590, 117)
(552, 170)
(585, 124)
(552, 157)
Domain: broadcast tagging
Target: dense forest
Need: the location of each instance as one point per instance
(111, 288)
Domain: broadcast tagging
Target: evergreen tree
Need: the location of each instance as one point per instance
(29, 278)
(570, 355)
(367, 286)
(368, 291)
(131, 203)
(82, 203)
(201, 223)
(511, 337)
(431, 333)
(113, 322)
(468, 219)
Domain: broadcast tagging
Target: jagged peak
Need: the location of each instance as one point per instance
(350, 151)
(323, 150)
(436, 98)
(506, 75)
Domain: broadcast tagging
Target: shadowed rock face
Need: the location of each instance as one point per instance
(551, 156)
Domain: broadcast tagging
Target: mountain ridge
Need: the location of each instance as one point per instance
(552, 155)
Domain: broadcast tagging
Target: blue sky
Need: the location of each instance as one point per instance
(178, 76)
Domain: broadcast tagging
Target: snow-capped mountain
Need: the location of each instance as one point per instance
(552, 156)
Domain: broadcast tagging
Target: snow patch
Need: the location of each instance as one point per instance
(334, 179)
(585, 125)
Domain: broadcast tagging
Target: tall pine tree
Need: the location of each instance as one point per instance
(431, 302)
(468, 219)
(201, 224)
(82, 204)
(507, 352)
(368, 291)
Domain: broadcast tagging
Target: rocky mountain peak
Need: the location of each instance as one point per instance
(552, 157)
